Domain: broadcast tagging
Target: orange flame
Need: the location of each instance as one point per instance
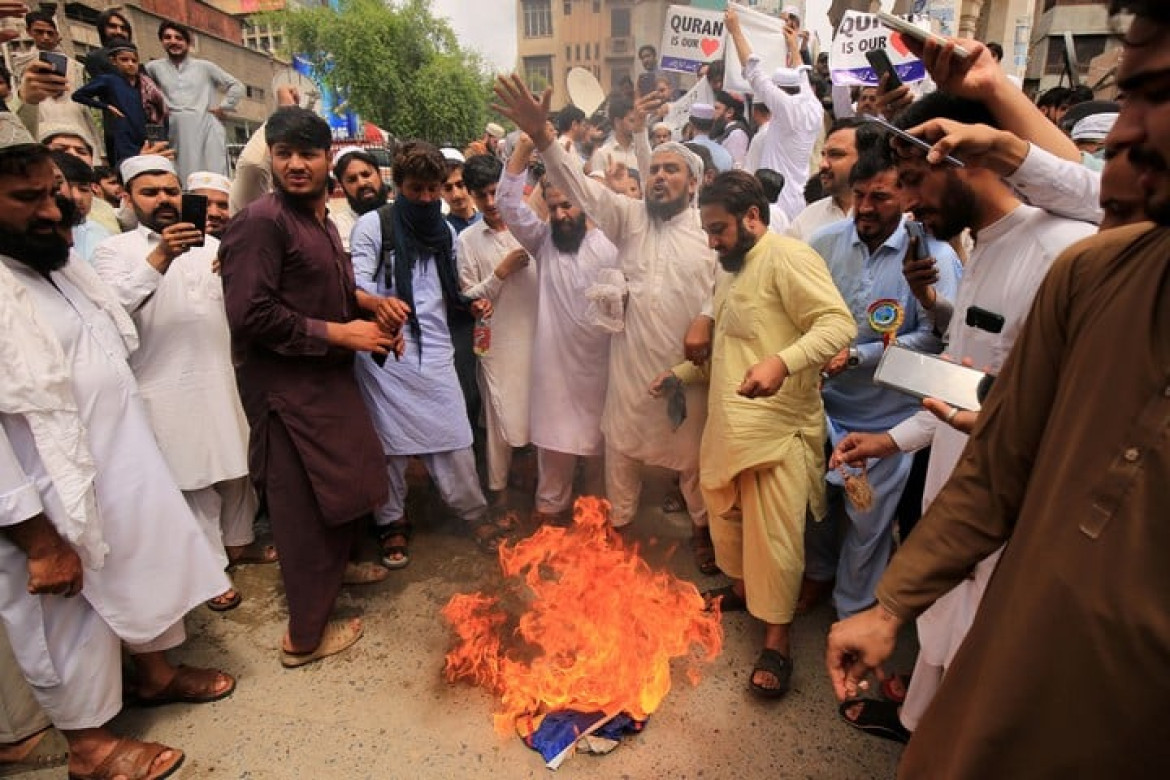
(595, 630)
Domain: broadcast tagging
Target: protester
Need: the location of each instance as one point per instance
(110, 24)
(778, 318)
(701, 122)
(570, 350)
(838, 155)
(356, 171)
(77, 186)
(62, 140)
(107, 186)
(296, 320)
(407, 250)
(461, 213)
(197, 111)
(865, 256)
(1070, 386)
(60, 109)
(659, 134)
(493, 267)
(772, 183)
(761, 120)
(216, 189)
(797, 116)
(729, 129)
(669, 274)
(72, 587)
(164, 278)
(572, 130)
(124, 96)
(619, 148)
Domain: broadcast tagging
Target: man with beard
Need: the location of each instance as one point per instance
(60, 139)
(669, 274)
(356, 171)
(838, 155)
(570, 351)
(865, 256)
(87, 233)
(1067, 466)
(296, 321)
(75, 446)
(1015, 245)
(701, 122)
(191, 87)
(216, 188)
(107, 187)
(407, 250)
(778, 319)
(495, 268)
(729, 128)
(164, 278)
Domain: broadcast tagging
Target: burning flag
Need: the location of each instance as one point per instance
(593, 629)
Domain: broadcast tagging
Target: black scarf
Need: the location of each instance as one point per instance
(420, 231)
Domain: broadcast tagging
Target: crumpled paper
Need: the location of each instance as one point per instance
(607, 308)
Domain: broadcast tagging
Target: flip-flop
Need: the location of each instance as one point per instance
(730, 601)
(339, 635)
(776, 664)
(364, 573)
(50, 750)
(256, 554)
(176, 692)
(876, 717)
(129, 758)
(224, 602)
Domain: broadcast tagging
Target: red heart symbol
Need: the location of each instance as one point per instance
(709, 45)
(898, 44)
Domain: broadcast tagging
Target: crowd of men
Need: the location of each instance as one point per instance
(611, 304)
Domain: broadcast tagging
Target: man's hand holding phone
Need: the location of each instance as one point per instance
(174, 240)
(919, 268)
(41, 82)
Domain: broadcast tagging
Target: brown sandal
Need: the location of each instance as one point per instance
(133, 760)
(189, 686)
(394, 541)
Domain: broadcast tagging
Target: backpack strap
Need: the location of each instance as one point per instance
(385, 257)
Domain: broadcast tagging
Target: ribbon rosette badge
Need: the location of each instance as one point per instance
(885, 317)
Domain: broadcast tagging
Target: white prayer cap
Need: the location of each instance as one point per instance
(790, 10)
(344, 151)
(46, 130)
(13, 132)
(693, 161)
(206, 180)
(452, 155)
(661, 126)
(1094, 127)
(786, 77)
(133, 167)
(702, 111)
(494, 130)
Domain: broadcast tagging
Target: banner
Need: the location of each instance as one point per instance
(690, 37)
(859, 33)
(766, 36)
(334, 107)
(680, 110)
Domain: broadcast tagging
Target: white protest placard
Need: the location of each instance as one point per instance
(680, 110)
(859, 33)
(766, 35)
(690, 37)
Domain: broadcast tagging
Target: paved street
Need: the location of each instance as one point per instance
(383, 710)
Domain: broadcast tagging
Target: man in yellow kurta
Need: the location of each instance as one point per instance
(778, 320)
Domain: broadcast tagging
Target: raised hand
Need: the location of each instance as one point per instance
(518, 104)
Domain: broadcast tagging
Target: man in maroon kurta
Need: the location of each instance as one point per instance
(296, 319)
(1064, 671)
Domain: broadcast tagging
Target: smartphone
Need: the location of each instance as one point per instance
(928, 376)
(880, 62)
(978, 317)
(195, 212)
(156, 134)
(57, 61)
(897, 24)
(910, 139)
(916, 231)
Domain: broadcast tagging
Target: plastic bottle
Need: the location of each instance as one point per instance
(481, 337)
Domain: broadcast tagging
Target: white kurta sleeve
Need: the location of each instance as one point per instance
(915, 432)
(19, 499)
(1061, 186)
(608, 210)
(128, 274)
(365, 249)
(521, 220)
(233, 88)
(477, 279)
(643, 152)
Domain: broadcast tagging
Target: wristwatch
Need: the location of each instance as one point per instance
(854, 359)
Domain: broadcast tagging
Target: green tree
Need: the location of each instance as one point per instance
(400, 66)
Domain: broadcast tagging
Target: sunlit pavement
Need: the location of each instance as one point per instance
(383, 710)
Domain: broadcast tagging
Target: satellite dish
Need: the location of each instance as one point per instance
(309, 92)
(584, 90)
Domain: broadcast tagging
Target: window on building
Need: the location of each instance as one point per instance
(596, 6)
(538, 73)
(619, 22)
(568, 52)
(597, 51)
(577, 51)
(1087, 47)
(537, 18)
(568, 7)
(256, 93)
(587, 49)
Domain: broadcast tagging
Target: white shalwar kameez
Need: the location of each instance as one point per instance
(185, 375)
(792, 132)
(670, 275)
(159, 565)
(1010, 260)
(192, 89)
(570, 352)
(504, 370)
(814, 217)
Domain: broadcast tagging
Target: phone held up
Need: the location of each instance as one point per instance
(194, 211)
(57, 61)
(879, 60)
(916, 231)
(910, 139)
(155, 133)
(910, 30)
(929, 376)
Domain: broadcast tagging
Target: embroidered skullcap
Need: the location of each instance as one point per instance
(133, 167)
(1093, 127)
(206, 180)
(702, 111)
(452, 155)
(786, 77)
(494, 130)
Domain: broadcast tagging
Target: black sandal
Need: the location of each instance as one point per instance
(776, 664)
(703, 549)
(877, 718)
(395, 554)
(730, 601)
